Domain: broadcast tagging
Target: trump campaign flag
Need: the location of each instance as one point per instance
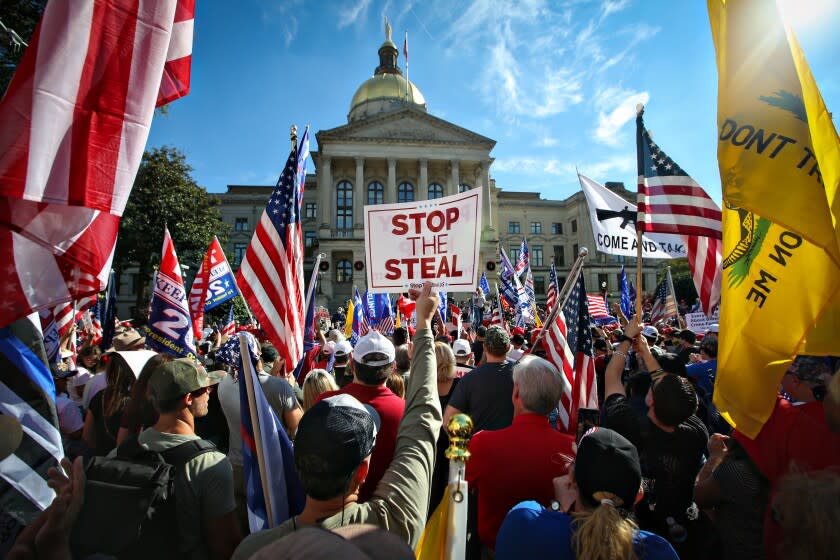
(76, 117)
(484, 284)
(627, 297)
(169, 326)
(213, 285)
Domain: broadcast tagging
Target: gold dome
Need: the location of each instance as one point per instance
(387, 87)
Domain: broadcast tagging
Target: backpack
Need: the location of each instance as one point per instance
(130, 509)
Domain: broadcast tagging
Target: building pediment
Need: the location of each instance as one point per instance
(408, 126)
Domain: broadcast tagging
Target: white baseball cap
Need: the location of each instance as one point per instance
(650, 332)
(343, 348)
(461, 347)
(372, 343)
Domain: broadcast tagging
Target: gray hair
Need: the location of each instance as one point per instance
(540, 384)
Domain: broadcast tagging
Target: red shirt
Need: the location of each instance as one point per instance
(390, 409)
(794, 438)
(515, 464)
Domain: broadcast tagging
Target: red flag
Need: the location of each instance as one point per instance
(406, 306)
(76, 117)
(198, 290)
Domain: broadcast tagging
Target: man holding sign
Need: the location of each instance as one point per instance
(435, 241)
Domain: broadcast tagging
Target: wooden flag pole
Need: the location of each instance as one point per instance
(248, 374)
(640, 109)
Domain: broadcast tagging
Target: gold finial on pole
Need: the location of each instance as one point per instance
(293, 133)
(387, 29)
(460, 429)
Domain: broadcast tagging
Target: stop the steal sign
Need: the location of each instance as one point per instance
(429, 240)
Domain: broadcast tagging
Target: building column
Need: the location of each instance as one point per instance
(455, 179)
(423, 186)
(488, 207)
(325, 192)
(391, 187)
(359, 191)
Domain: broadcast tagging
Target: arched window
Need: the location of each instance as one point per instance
(435, 191)
(405, 192)
(344, 206)
(463, 187)
(344, 271)
(375, 193)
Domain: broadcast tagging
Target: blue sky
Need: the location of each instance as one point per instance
(553, 82)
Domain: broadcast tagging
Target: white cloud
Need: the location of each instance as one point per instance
(607, 169)
(533, 166)
(351, 14)
(547, 142)
(616, 107)
(613, 6)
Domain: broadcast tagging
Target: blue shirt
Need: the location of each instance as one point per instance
(533, 532)
(704, 374)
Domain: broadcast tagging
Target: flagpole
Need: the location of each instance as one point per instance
(562, 297)
(248, 373)
(640, 109)
(311, 288)
(673, 292)
(247, 308)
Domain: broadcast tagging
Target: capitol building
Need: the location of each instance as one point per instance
(393, 150)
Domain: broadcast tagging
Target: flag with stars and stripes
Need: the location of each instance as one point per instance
(597, 306)
(359, 322)
(669, 201)
(524, 257)
(568, 345)
(553, 290)
(664, 307)
(271, 274)
(229, 329)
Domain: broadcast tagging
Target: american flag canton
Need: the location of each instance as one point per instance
(656, 162)
(230, 354)
(283, 206)
(577, 319)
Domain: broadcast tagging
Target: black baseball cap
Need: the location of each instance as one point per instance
(607, 462)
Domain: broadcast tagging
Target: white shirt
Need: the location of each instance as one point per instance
(69, 414)
(514, 354)
(76, 384)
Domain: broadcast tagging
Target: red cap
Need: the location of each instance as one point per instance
(518, 330)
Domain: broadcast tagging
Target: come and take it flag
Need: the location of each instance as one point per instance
(779, 158)
(170, 330)
(27, 394)
(272, 488)
(76, 117)
(672, 202)
(569, 347)
(213, 285)
(271, 274)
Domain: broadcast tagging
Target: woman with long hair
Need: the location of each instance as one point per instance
(316, 382)
(446, 382)
(140, 412)
(102, 420)
(591, 518)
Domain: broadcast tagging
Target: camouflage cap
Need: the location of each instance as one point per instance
(496, 341)
(811, 368)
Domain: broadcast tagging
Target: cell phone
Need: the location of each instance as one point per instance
(587, 418)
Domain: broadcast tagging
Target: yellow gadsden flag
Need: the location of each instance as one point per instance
(432, 544)
(779, 158)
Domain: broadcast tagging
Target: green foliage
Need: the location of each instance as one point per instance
(681, 276)
(21, 16)
(165, 194)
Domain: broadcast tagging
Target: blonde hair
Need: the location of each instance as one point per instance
(445, 361)
(603, 533)
(807, 507)
(316, 382)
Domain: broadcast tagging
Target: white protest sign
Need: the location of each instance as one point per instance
(698, 322)
(614, 226)
(435, 240)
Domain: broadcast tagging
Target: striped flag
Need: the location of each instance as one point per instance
(27, 393)
(597, 306)
(664, 307)
(386, 316)
(272, 488)
(669, 201)
(271, 274)
(230, 325)
(176, 72)
(524, 258)
(76, 117)
(553, 290)
(360, 325)
(569, 347)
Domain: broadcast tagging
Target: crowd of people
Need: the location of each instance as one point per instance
(654, 473)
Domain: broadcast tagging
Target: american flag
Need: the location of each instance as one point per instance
(669, 201)
(230, 326)
(386, 317)
(359, 322)
(597, 306)
(569, 347)
(271, 274)
(664, 306)
(76, 117)
(524, 257)
(553, 290)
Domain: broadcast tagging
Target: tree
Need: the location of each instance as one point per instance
(165, 194)
(683, 281)
(20, 16)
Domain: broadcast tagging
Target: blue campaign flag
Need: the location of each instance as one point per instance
(360, 320)
(484, 285)
(170, 330)
(221, 286)
(626, 299)
(442, 307)
(285, 490)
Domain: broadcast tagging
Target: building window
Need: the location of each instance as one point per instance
(405, 192)
(513, 227)
(575, 250)
(376, 193)
(239, 253)
(241, 224)
(514, 253)
(309, 238)
(310, 210)
(435, 191)
(344, 271)
(574, 228)
(559, 255)
(539, 285)
(557, 228)
(344, 206)
(463, 187)
(536, 255)
(536, 227)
